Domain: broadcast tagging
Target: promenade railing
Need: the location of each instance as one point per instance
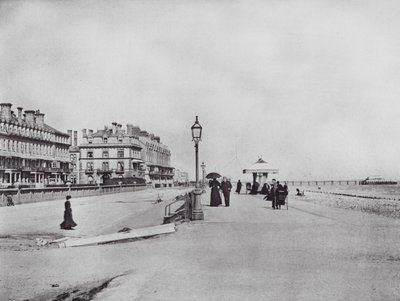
(31, 195)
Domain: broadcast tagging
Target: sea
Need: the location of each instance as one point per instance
(379, 191)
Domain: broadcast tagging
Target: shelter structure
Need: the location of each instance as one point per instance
(260, 171)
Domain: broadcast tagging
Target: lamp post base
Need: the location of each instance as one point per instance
(197, 211)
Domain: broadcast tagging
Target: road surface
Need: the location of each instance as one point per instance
(243, 252)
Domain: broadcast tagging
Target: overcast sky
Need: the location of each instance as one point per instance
(311, 86)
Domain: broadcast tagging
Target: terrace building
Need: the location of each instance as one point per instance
(31, 152)
(123, 154)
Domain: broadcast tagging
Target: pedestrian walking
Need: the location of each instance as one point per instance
(68, 222)
(215, 197)
(272, 194)
(280, 195)
(226, 187)
(238, 187)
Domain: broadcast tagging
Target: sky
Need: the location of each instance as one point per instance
(312, 87)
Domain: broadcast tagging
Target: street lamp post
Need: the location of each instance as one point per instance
(203, 166)
(197, 212)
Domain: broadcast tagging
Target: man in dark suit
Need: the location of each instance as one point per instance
(272, 194)
(226, 187)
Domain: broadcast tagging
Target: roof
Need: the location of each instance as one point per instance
(46, 127)
(261, 167)
(53, 130)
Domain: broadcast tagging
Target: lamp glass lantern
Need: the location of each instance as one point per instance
(196, 131)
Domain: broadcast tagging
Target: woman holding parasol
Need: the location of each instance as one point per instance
(215, 199)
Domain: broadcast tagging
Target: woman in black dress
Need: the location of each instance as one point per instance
(238, 187)
(68, 222)
(215, 196)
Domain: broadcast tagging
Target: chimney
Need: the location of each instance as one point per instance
(84, 135)
(144, 133)
(5, 113)
(39, 118)
(114, 127)
(30, 117)
(20, 119)
(90, 132)
(136, 130)
(69, 132)
(75, 138)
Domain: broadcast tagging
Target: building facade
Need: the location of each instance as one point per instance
(31, 152)
(181, 177)
(120, 153)
(156, 158)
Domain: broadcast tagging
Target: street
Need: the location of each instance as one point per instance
(245, 252)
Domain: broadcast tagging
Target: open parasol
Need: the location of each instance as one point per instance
(213, 175)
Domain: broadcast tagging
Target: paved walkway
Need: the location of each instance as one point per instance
(244, 252)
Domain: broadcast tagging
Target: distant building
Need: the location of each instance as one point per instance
(123, 154)
(181, 177)
(74, 158)
(31, 152)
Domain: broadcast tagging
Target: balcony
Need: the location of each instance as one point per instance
(89, 171)
(102, 171)
(119, 171)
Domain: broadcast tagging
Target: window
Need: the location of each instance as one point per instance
(120, 138)
(105, 166)
(120, 166)
(105, 154)
(105, 139)
(90, 154)
(90, 139)
(89, 166)
(120, 153)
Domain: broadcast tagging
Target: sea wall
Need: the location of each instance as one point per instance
(31, 195)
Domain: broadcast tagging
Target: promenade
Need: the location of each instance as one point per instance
(243, 252)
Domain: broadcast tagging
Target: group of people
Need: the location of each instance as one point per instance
(225, 186)
(276, 193)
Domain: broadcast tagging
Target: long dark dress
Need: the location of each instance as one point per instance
(68, 222)
(238, 186)
(215, 196)
(265, 189)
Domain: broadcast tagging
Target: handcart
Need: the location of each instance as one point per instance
(282, 199)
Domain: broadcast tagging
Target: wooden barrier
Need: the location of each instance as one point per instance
(121, 236)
